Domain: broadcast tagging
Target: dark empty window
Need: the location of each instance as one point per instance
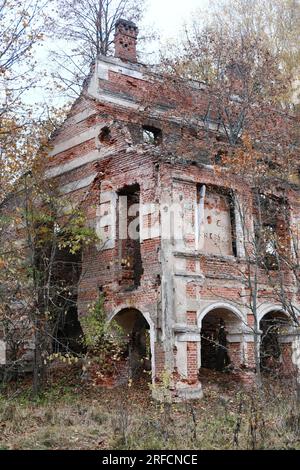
(130, 259)
(270, 229)
(152, 135)
(105, 135)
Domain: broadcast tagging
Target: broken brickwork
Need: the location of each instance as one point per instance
(111, 154)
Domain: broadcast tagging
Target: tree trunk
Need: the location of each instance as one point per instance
(38, 366)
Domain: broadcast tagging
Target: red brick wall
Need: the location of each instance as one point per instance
(251, 355)
(159, 361)
(191, 318)
(234, 351)
(192, 362)
(287, 368)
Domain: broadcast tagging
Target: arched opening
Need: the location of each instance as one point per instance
(221, 336)
(275, 345)
(138, 345)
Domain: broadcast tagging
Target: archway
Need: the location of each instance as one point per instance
(136, 331)
(275, 345)
(221, 340)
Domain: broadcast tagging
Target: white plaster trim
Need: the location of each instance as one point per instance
(239, 233)
(73, 164)
(181, 357)
(189, 337)
(101, 71)
(224, 305)
(191, 253)
(76, 140)
(289, 337)
(199, 222)
(182, 179)
(84, 115)
(264, 310)
(182, 328)
(249, 337)
(79, 184)
(296, 355)
(235, 337)
(107, 239)
(190, 276)
(103, 66)
(117, 100)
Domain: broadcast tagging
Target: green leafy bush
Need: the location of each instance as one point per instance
(106, 341)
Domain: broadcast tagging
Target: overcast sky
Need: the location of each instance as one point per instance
(168, 15)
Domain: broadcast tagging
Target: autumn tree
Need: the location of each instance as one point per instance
(240, 91)
(30, 206)
(22, 25)
(41, 237)
(276, 22)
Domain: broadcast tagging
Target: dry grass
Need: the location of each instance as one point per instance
(72, 416)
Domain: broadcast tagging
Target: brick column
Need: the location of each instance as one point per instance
(192, 350)
(191, 318)
(251, 355)
(234, 352)
(192, 362)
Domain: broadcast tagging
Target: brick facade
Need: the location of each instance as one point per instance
(98, 156)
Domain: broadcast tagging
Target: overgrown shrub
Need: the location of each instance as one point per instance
(106, 341)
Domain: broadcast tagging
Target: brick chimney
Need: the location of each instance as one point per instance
(125, 40)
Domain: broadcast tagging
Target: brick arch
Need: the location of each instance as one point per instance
(124, 307)
(276, 341)
(265, 310)
(209, 321)
(216, 306)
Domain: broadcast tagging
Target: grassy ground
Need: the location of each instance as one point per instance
(68, 415)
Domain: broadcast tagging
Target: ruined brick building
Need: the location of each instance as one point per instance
(177, 289)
